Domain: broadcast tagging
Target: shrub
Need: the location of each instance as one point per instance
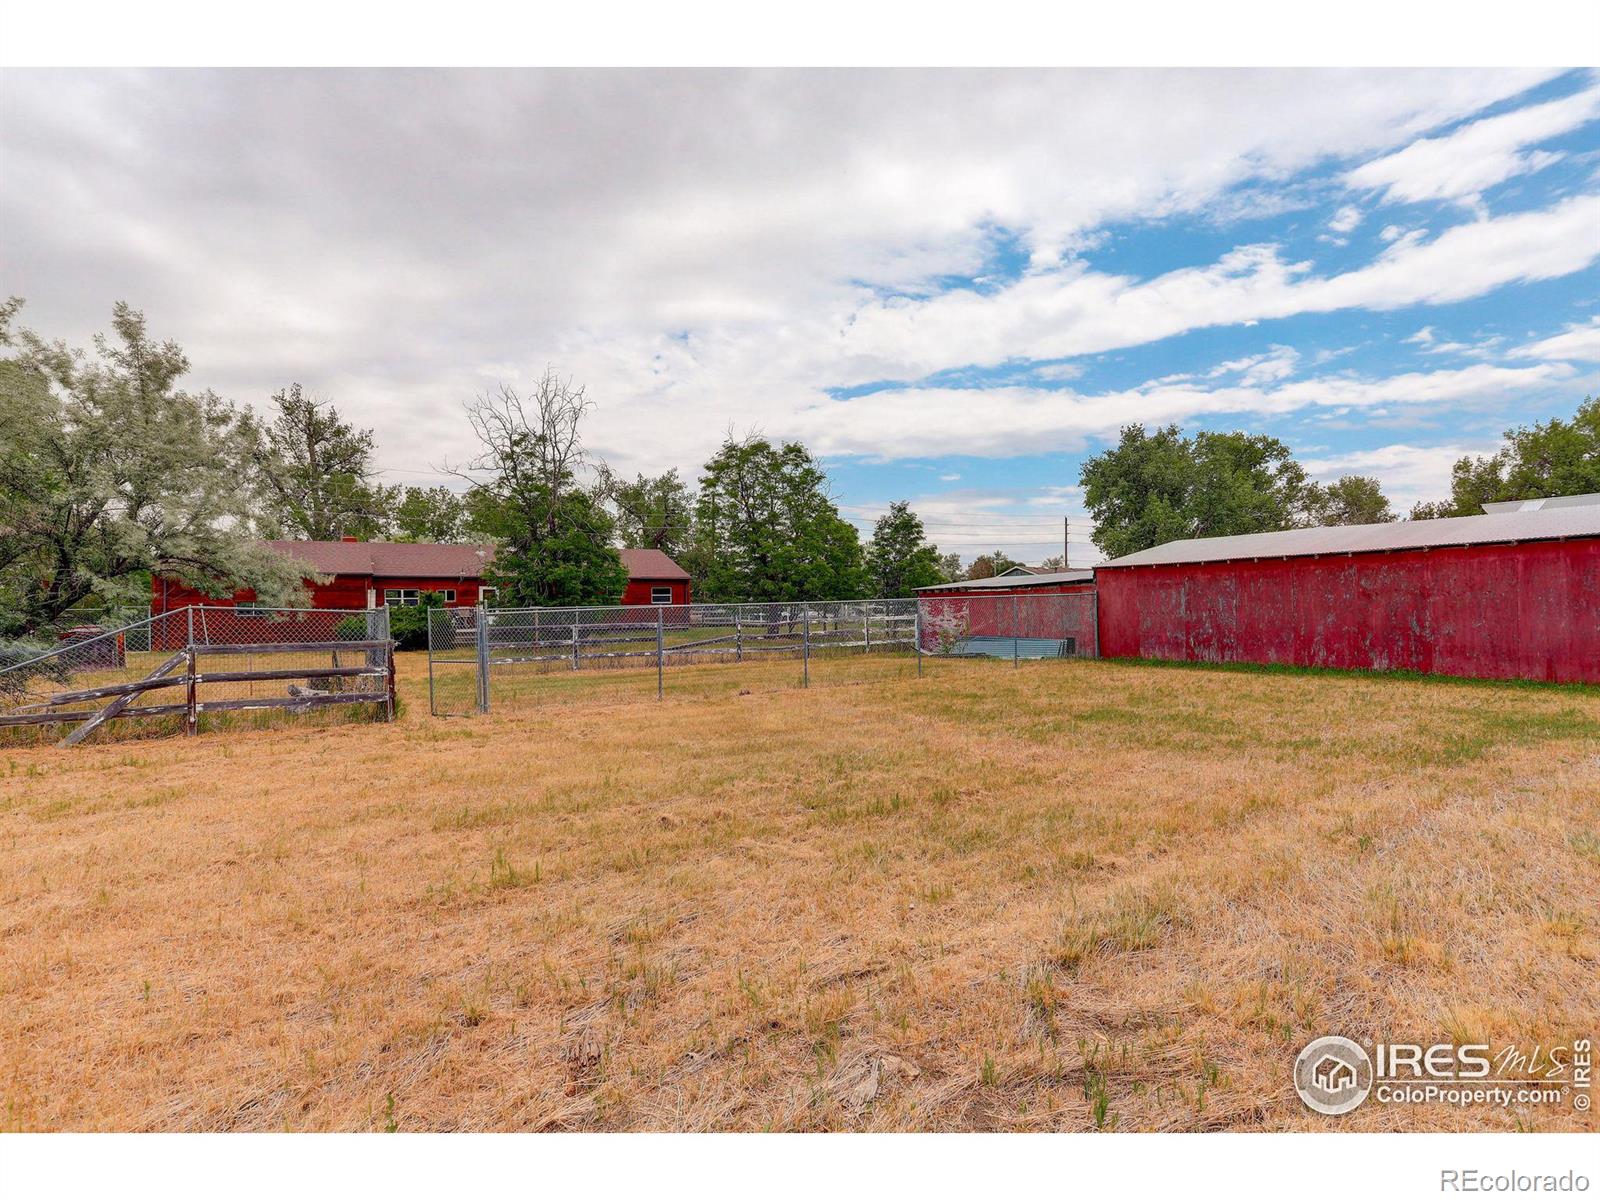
(14, 679)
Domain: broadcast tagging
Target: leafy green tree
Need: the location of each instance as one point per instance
(433, 514)
(987, 566)
(900, 559)
(1555, 458)
(766, 529)
(951, 568)
(1054, 563)
(1159, 487)
(555, 534)
(654, 512)
(1351, 500)
(109, 474)
(315, 471)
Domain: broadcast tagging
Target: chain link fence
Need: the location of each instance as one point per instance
(479, 658)
(211, 662)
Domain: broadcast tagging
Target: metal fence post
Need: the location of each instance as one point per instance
(916, 629)
(805, 647)
(866, 626)
(661, 649)
(433, 707)
(738, 636)
(1015, 631)
(483, 659)
(575, 639)
(190, 642)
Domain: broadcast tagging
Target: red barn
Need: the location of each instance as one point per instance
(374, 574)
(1505, 595)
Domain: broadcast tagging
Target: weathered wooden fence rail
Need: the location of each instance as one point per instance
(377, 665)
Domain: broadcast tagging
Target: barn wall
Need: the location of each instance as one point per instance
(1524, 611)
(638, 590)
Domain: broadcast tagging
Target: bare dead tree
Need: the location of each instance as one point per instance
(529, 443)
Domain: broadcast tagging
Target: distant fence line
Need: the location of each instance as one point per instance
(489, 643)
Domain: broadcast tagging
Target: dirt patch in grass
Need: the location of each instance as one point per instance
(1077, 895)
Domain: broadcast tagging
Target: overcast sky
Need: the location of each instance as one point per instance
(953, 285)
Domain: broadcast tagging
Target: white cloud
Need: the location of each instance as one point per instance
(1577, 343)
(1461, 164)
(1422, 337)
(996, 422)
(1390, 233)
(1077, 311)
(703, 248)
(1408, 473)
(1346, 219)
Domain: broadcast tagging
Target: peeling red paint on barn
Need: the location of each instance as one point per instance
(1529, 610)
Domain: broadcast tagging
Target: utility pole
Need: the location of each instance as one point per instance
(1066, 543)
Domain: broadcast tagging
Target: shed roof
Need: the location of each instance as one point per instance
(439, 560)
(1540, 525)
(1013, 581)
(651, 564)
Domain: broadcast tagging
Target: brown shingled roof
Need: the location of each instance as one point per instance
(651, 564)
(439, 560)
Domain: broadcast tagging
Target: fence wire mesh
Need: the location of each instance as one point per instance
(478, 658)
(204, 660)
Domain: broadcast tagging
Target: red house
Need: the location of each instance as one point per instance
(375, 574)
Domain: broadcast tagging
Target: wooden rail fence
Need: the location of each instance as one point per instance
(379, 665)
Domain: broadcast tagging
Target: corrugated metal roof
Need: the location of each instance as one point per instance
(1542, 525)
(1014, 581)
(1583, 501)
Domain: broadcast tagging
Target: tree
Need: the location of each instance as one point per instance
(766, 529)
(987, 566)
(1160, 487)
(899, 558)
(433, 514)
(109, 474)
(1556, 458)
(554, 533)
(653, 512)
(315, 471)
(1352, 500)
(1054, 563)
(951, 568)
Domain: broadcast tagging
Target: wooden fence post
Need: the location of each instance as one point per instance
(191, 711)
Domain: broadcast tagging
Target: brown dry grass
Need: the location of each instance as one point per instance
(1075, 895)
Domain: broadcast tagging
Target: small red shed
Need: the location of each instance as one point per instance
(1505, 595)
(1021, 604)
(653, 578)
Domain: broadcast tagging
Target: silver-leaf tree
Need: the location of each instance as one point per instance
(110, 473)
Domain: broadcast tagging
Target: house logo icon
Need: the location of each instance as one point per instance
(1333, 1075)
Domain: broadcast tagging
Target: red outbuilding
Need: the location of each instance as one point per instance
(1505, 595)
(360, 575)
(979, 614)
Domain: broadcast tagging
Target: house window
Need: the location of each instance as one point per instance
(411, 597)
(488, 596)
(661, 595)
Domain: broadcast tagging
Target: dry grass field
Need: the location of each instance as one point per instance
(1073, 896)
